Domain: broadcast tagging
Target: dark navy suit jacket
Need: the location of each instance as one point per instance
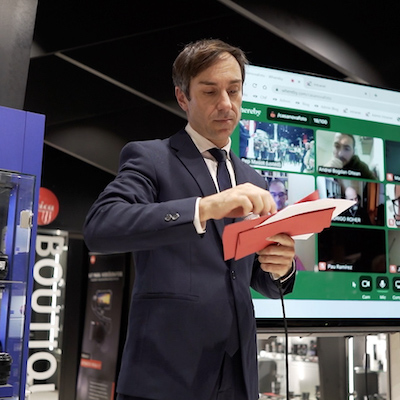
(180, 315)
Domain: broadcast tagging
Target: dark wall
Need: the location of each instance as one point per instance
(76, 185)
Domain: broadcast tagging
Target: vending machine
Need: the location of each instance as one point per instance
(21, 141)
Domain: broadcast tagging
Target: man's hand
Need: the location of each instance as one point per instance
(334, 163)
(277, 258)
(239, 201)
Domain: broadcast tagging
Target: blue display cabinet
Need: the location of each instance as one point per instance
(21, 141)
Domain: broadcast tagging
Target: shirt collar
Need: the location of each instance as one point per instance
(204, 144)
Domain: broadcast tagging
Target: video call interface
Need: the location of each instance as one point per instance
(298, 152)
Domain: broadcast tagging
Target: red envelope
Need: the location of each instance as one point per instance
(254, 240)
(307, 216)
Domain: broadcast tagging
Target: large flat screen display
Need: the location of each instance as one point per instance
(303, 133)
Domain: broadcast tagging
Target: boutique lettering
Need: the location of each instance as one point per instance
(48, 252)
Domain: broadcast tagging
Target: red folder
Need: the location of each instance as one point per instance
(302, 219)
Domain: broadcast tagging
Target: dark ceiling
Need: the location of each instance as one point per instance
(101, 71)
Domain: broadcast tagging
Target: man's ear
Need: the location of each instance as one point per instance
(181, 98)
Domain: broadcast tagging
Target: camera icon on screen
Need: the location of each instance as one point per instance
(396, 284)
(365, 283)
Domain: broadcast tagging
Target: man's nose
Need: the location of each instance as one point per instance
(224, 101)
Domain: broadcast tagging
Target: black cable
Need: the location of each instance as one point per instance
(279, 285)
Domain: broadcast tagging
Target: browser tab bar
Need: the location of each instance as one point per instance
(315, 94)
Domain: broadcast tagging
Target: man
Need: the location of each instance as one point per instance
(191, 331)
(308, 158)
(396, 205)
(279, 192)
(356, 214)
(261, 144)
(344, 156)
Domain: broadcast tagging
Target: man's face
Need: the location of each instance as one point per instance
(278, 192)
(351, 194)
(343, 148)
(397, 203)
(215, 100)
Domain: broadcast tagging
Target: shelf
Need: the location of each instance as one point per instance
(291, 357)
(6, 391)
(11, 282)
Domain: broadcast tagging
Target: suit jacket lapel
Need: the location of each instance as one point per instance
(240, 169)
(193, 161)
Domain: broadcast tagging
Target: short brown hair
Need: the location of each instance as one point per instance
(198, 56)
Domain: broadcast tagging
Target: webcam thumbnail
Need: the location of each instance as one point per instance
(369, 198)
(277, 146)
(286, 189)
(350, 156)
(392, 161)
(393, 205)
(351, 250)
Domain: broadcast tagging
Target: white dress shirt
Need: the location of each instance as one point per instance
(203, 145)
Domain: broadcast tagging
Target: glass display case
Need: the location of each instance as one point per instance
(17, 192)
(357, 370)
(303, 367)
